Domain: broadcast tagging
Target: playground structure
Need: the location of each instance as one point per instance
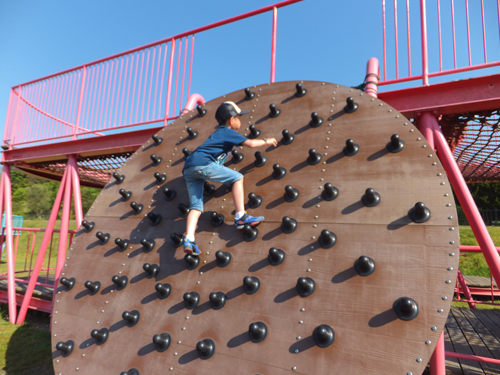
(70, 113)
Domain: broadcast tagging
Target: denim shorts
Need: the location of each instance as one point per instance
(196, 176)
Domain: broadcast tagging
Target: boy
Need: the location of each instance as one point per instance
(206, 164)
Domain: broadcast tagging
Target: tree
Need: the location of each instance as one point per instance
(39, 200)
(88, 197)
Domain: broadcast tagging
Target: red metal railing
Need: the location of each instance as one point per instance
(434, 56)
(145, 85)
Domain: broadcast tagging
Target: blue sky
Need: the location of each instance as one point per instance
(326, 40)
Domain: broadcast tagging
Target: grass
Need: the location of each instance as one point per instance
(25, 349)
(474, 263)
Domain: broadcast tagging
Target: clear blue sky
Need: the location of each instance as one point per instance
(326, 40)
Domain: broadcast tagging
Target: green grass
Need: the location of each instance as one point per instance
(25, 349)
(474, 263)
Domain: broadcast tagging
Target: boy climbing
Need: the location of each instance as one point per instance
(206, 164)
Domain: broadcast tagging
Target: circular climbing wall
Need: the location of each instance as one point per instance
(367, 260)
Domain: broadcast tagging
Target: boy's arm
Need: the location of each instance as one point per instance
(253, 143)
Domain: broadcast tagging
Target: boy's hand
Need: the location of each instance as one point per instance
(272, 141)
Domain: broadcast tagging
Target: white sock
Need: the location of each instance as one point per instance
(239, 215)
(190, 238)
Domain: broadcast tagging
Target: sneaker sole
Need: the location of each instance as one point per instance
(251, 224)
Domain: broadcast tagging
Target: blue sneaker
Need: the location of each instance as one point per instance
(247, 219)
(190, 247)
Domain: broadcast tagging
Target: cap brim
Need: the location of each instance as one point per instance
(243, 112)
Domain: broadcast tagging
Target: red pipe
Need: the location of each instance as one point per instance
(77, 196)
(383, 35)
(11, 261)
(465, 289)
(473, 358)
(473, 249)
(372, 74)
(273, 46)
(169, 84)
(195, 99)
(438, 362)
(425, 61)
(396, 36)
(43, 248)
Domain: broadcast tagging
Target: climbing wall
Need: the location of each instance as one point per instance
(352, 271)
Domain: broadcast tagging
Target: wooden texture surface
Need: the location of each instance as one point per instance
(412, 260)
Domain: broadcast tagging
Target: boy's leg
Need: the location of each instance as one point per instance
(195, 191)
(192, 223)
(239, 196)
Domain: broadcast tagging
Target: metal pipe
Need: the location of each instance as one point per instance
(475, 358)
(372, 73)
(465, 289)
(191, 65)
(484, 32)
(169, 84)
(473, 249)
(453, 28)
(273, 44)
(183, 74)
(43, 248)
(161, 82)
(440, 44)
(396, 36)
(195, 99)
(177, 74)
(77, 196)
(438, 362)
(468, 33)
(11, 261)
(408, 35)
(425, 62)
(464, 196)
(384, 39)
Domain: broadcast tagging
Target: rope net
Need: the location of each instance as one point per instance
(474, 139)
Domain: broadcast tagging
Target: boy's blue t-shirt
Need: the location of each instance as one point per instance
(221, 141)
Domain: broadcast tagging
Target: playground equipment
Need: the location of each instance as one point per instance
(359, 249)
(81, 125)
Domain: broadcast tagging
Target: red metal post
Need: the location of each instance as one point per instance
(43, 248)
(9, 108)
(396, 36)
(464, 196)
(438, 361)
(439, 29)
(169, 84)
(191, 65)
(80, 101)
(273, 47)
(453, 27)
(383, 32)
(77, 196)
(408, 35)
(465, 289)
(468, 32)
(425, 62)
(372, 75)
(484, 33)
(16, 120)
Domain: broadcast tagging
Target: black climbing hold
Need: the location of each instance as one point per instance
(191, 300)
(315, 120)
(327, 239)
(192, 261)
(154, 219)
(186, 152)
(216, 219)
(260, 160)
(300, 91)
(169, 194)
(249, 95)
(183, 210)
(160, 177)
(350, 105)
(249, 233)
(314, 157)
(93, 287)
(201, 111)
(257, 331)
(254, 132)
(156, 159)
(151, 270)
(291, 194)
(305, 286)
(100, 335)
(66, 348)
(217, 300)
(223, 258)
(205, 348)
(419, 213)
(275, 112)
(131, 317)
(370, 198)
(278, 172)
(329, 192)
(118, 177)
(132, 371)
(350, 148)
(251, 284)
(148, 245)
(396, 144)
(176, 239)
(120, 281)
(88, 225)
(254, 200)
(137, 207)
(208, 188)
(287, 137)
(68, 283)
(103, 238)
(276, 256)
(405, 308)
(364, 266)
(192, 133)
(288, 225)
(237, 156)
(161, 341)
(125, 194)
(122, 244)
(163, 290)
(323, 336)
(156, 139)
